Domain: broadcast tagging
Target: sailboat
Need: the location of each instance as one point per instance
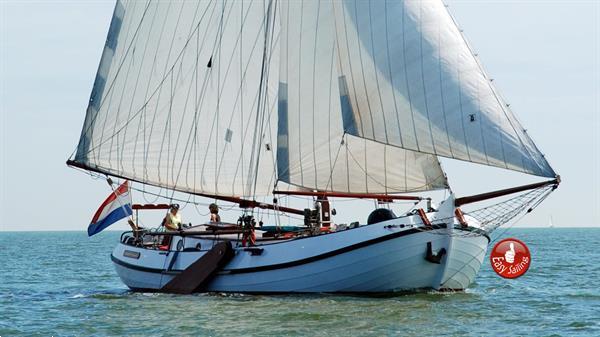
(254, 102)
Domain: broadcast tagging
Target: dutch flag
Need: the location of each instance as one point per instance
(116, 207)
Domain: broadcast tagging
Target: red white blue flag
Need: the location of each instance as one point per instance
(116, 207)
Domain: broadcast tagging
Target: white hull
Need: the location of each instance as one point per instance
(379, 258)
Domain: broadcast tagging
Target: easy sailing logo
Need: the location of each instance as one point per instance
(510, 258)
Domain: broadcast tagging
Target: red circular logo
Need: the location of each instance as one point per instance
(510, 258)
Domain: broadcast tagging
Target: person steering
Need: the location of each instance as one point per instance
(173, 218)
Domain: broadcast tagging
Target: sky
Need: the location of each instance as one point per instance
(544, 57)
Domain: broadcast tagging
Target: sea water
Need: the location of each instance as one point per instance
(64, 284)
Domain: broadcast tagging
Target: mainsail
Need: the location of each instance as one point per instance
(236, 98)
(177, 94)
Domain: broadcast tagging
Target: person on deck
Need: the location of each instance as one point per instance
(214, 213)
(173, 218)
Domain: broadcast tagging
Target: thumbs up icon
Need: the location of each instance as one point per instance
(509, 256)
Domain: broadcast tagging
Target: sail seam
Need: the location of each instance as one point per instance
(423, 79)
(362, 70)
(351, 73)
(442, 94)
(389, 63)
(408, 91)
(377, 75)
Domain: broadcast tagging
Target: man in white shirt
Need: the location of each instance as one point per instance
(173, 218)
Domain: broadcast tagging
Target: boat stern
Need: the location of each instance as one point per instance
(137, 267)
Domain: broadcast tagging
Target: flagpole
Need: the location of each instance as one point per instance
(130, 221)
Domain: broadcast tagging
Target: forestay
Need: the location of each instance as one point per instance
(313, 151)
(414, 83)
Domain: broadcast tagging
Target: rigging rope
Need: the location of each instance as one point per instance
(493, 216)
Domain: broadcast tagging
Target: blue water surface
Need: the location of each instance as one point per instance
(64, 284)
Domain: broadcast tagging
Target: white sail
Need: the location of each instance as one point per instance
(313, 151)
(176, 97)
(414, 83)
(233, 97)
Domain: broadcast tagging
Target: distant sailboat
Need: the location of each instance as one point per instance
(550, 223)
(248, 101)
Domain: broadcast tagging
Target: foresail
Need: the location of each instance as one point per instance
(313, 150)
(411, 81)
(176, 102)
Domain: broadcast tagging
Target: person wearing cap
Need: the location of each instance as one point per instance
(214, 213)
(173, 218)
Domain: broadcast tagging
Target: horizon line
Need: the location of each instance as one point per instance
(121, 230)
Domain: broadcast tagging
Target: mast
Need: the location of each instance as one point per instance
(261, 106)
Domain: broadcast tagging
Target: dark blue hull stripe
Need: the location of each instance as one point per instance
(296, 262)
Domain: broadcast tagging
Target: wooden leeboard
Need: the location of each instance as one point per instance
(199, 273)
